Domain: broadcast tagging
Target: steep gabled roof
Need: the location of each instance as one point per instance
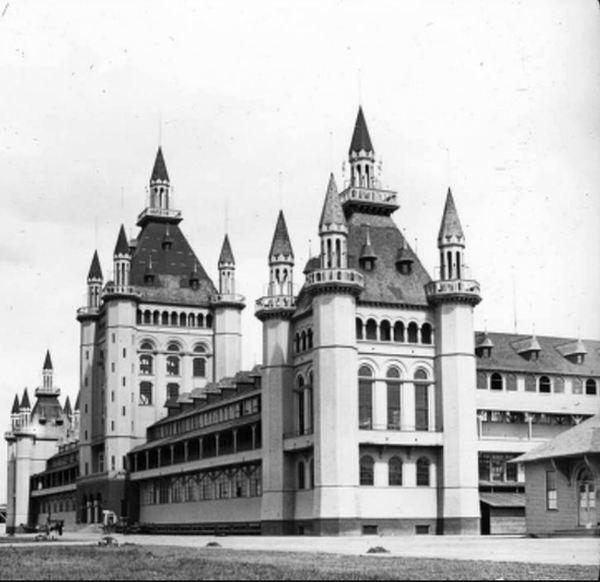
(281, 244)
(47, 361)
(226, 256)
(450, 226)
(360, 138)
(95, 271)
(159, 172)
(582, 439)
(332, 213)
(122, 246)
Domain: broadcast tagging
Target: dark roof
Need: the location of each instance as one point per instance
(384, 283)
(505, 357)
(25, 400)
(95, 271)
(159, 172)
(360, 138)
(503, 499)
(122, 246)
(332, 212)
(226, 255)
(76, 407)
(171, 268)
(67, 409)
(281, 244)
(47, 406)
(47, 361)
(582, 439)
(15, 406)
(450, 226)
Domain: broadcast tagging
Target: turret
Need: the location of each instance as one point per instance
(122, 262)
(451, 242)
(362, 155)
(281, 260)
(25, 405)
(159, 184)
(47, 373)
(226, 267)
(333, 230)
(94, 282)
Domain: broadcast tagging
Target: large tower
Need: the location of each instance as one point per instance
(453, 297)
(333, 289)
(275, 310)
(228, 307)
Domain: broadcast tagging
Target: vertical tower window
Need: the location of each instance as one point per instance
(551, 493)
(393, 399)
(301, 475)
(423, 472)
(365, 397)
(399, 331)
(146, 393)
(359, 329)
(385, 331)
(395, 471)
(371, 329)
(366, 470)
(413, 333)
(421, 400)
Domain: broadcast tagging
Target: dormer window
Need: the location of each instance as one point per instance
(367, 264)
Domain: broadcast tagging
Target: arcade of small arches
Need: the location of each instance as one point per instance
(305, 473)
(544, 384)
(303, 405)
(399, 332)
(396, 471)
(174, 318)
(303, 340)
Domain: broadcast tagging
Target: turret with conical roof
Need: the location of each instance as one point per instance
(47, 373)
(333, 230)
(451, 242)
(226, 266)
(94, 282)
(15, 406)
(67, 408)
(281, 260)
(25, 403)
(122, 262)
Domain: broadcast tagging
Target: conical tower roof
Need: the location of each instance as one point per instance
(25, 400)
(332, 213)
(159, 172)
(122, 246)
(281, 244)
(450, 227)
(226, 256)
(95, 271)
(67, 408)
(47, 361)
(76, 407)
(360, 138)
(15, 406)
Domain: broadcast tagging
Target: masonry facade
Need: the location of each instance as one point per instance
(377, 408)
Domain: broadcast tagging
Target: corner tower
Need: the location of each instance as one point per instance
(453, 298)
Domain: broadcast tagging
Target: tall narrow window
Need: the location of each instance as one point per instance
(385, 331)
(395, 471)
(301, 475)
(413, 333)
(551, 493)
(199, 365)
(371, 329)
(421, 400)
(423, 472)
(393, 399)
(145, 393)
(172, 391)
(398, 331)
(146, 364)
(496, 382)
(359, 329)
(365, 397)
(300, 405)
(366, 470)
(426, 333)
(544, 384)
(590, 387)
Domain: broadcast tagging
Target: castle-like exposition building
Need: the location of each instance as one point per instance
(377, 407)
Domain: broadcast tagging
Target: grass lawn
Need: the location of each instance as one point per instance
(132, 562)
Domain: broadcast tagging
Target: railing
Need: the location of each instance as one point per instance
(452, 286)
(228, 298)
(123, 289)
(377, 195)
(87, 310)
(276, 302)
(335, 276)
(166, 212)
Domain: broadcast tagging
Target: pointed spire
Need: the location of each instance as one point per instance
(367, 251)
(360, 138)
(226, 256)
(332, 213)
(15, 406)
(281, 244)
(47, 361)
(76, 407)
(25, 405)
(167, 241)
(122, 246)
(450, 227)
(95, 271)
(67, 408)
(159, 172)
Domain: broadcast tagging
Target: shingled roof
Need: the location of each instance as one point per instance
(281, 244)
(450, 226)
(360, 137)
(582, 439)
(226, 256)
(171, 267)
(159, 172)
(122, 246)
(95, 271)
(332, 213)
(505, 355)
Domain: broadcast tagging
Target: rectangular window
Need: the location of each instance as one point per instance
(365, 404)
(112, 425)
(551, 493)
(86, 469)
(124, 381)
(113, 464)
(393, 405)
(112, 395)
(421, 407)
(124, 352)
(124, 411)
(112, 367)
(113, 338)
(145, 393)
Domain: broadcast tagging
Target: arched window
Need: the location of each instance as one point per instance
(393, 398)
(209, 320)
(173, 366)
(172, 391)
(496, 382)
(310, 407)
(385, 331)
(301, 475)
(590, 387)
(200, 320)
(146, 346)
(395, 471)
(309, 338)
(147, 316)
(145, 393)
(398, 331)
(192, 320)
(200, 349)
(164, 318)
(371, 329)
(413, 333)
(303, 340)
(359, 328)
(544, 384)
(146, 362)
(366, 470)
(423, 472)
(182, 320)
(421, 400)
(365, 397)
(199, 367)
(155, 317)
(138, 316)
(297, 342)
(174, 318)
(300, 405)
(426, 333)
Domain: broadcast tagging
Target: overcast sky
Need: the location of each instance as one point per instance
(257, 102)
